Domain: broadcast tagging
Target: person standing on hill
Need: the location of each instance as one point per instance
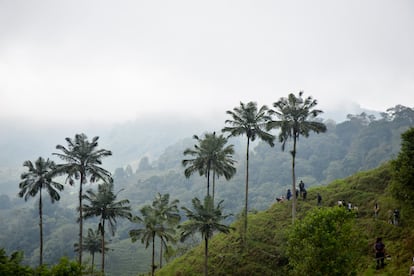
(319, 199)
(376, 210)
(379, 253)
(288, 194)
(396, 217)
(301, 187)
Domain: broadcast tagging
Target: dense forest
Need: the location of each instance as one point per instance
(360, 143)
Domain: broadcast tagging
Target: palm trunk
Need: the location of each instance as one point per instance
(103, 247)
(294, 180)
(206, 256)
(214, 184)
(153, 255)
(246, 190)
(93, 262)
(208, 178)
(160, 253)
(82, 179)
(41, 227)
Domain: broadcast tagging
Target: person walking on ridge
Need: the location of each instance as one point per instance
(379, 253)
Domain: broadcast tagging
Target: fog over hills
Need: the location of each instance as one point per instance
(129, 141)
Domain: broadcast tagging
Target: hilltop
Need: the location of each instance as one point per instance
(266, 254)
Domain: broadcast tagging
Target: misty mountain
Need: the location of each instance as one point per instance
(129, 141)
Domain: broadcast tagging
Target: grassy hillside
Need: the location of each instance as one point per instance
(265, 254)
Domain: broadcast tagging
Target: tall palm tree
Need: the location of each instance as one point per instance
(210, 154)
(152, 227)
(103, 204)
(168, 214)
(39, 176)
(222, 162)
(83, 160)
(204, 219)
(295, 116)
(248, 120)
(200, 162)
(92, 243)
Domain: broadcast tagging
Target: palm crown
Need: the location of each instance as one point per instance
(211, 153)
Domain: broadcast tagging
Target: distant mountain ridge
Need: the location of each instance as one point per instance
(128, 141)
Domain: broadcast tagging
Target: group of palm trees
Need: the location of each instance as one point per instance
(293, 116)
(83, 161)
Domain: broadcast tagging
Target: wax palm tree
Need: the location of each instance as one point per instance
(83, 160)
(168, 214)
(38, 177)
(204, 219)
(200, 162)
(103, 204)
(222, 162)
(92, 243)
(153, 227)
(210, 154)
(295, 116)
(248, 120)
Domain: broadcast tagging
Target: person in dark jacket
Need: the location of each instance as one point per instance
(379, 253)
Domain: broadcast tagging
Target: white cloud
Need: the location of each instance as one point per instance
(104, 61)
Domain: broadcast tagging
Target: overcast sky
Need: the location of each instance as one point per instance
(118, 60)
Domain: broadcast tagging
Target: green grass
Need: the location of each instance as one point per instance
(266, 232)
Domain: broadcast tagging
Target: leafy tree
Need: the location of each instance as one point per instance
(295, 116)
(152, 226)
(12, 265)
(103, 204)
(248, 120)
(210, 154)
(403, 169)
(324, 242)
(168, 214)
(38, 177)
(65, 267)
(204, 219)
(83, 160)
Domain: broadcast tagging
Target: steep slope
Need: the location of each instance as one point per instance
(265, 253)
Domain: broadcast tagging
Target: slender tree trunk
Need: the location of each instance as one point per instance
(206, 256)
(41, 227)
(294, 202)
(82, 179)
(214, 184)
(153, 255)
(246, 190)
(160, 253)
(103, 247)
(93, 261)
(208, 178)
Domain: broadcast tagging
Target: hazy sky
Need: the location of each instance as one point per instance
(117, 60)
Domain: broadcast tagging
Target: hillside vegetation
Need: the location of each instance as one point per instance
(358, 144)
(267, 235)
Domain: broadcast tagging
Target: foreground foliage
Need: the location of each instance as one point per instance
(12, 266)
(325, 242)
